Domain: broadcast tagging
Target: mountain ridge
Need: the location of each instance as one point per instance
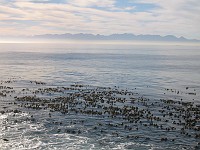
(124, 37)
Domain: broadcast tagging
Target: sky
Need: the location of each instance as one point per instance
(156, 17)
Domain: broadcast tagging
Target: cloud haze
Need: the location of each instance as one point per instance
(32, 17)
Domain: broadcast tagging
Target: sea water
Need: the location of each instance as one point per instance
(148, 69)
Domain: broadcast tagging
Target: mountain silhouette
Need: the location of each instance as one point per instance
(125, 36)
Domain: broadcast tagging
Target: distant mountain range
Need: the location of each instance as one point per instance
(125, 37)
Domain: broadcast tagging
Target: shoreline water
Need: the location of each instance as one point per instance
(159, 77)
(109, 115)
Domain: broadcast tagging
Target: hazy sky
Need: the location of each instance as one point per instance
(164, 17)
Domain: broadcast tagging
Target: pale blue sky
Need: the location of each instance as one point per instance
(163, 17)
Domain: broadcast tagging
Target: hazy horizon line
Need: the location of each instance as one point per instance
(100, 38)
(94, 34)
(116, 42)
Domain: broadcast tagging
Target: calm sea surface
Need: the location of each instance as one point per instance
(147, 69)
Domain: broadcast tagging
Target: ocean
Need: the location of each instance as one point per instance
(150, 77)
